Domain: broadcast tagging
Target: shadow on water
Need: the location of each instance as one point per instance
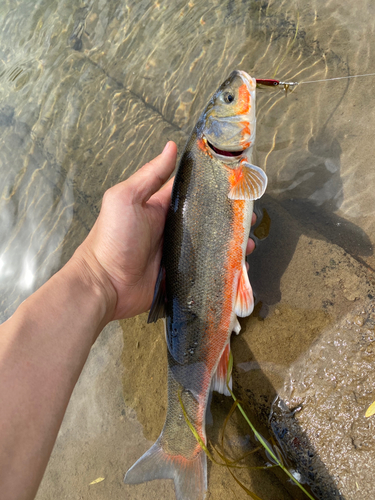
(257, 394)
(305, 205)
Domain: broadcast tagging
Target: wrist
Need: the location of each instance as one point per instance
(95, 283)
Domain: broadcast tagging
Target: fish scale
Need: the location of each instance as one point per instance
(203, 284)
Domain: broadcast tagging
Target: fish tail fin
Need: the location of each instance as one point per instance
(190, 476)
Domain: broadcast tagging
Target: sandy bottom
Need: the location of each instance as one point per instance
(118, 407)
(311, 271)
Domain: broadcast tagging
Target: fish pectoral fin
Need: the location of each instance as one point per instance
(248, 182)
(157, 309)
(245, 300)
(219, 380)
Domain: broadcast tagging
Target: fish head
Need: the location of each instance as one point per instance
(228, 123)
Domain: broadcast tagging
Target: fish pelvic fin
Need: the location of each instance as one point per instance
(189, 476)
(248, 182)
(245, 300)
(219, 380)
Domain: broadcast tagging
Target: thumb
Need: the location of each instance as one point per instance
(152, 176)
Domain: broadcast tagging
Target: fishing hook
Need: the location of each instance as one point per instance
(271, 82)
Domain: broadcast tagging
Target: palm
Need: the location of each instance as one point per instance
(134, 260)
(127, 237)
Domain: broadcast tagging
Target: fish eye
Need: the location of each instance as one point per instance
(228, 97)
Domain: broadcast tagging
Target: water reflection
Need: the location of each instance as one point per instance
(36, 209)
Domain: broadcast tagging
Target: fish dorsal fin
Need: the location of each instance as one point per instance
(245, 301)
(157, 309)
(248, 182)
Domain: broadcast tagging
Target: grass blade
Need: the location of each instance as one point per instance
(260, 437)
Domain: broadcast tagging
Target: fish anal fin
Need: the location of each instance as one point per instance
(245, 300)
(157, 309)
(247, 181)
(219, 380)
(237, 327)
(190, 476)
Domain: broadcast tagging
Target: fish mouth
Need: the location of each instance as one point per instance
(221, 152)
(246, 78)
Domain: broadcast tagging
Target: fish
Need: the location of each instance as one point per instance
(203, 285)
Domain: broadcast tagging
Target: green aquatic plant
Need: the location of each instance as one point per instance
(229, 464)
(273, 453)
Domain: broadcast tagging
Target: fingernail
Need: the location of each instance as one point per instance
(166, 146)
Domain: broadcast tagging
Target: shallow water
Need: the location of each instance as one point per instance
(92, 90)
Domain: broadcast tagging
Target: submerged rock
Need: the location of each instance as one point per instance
(318, 416)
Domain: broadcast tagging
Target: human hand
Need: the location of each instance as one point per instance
(124, 248)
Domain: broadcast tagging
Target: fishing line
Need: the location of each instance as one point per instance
(337, 78)
(272, 82)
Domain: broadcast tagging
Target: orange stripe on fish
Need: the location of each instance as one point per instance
(243, 105)
(218, 335)
(245, 133)
(234, 259)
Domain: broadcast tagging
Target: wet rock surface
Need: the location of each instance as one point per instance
(319, 414)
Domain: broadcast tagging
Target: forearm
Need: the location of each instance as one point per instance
(43, 348)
